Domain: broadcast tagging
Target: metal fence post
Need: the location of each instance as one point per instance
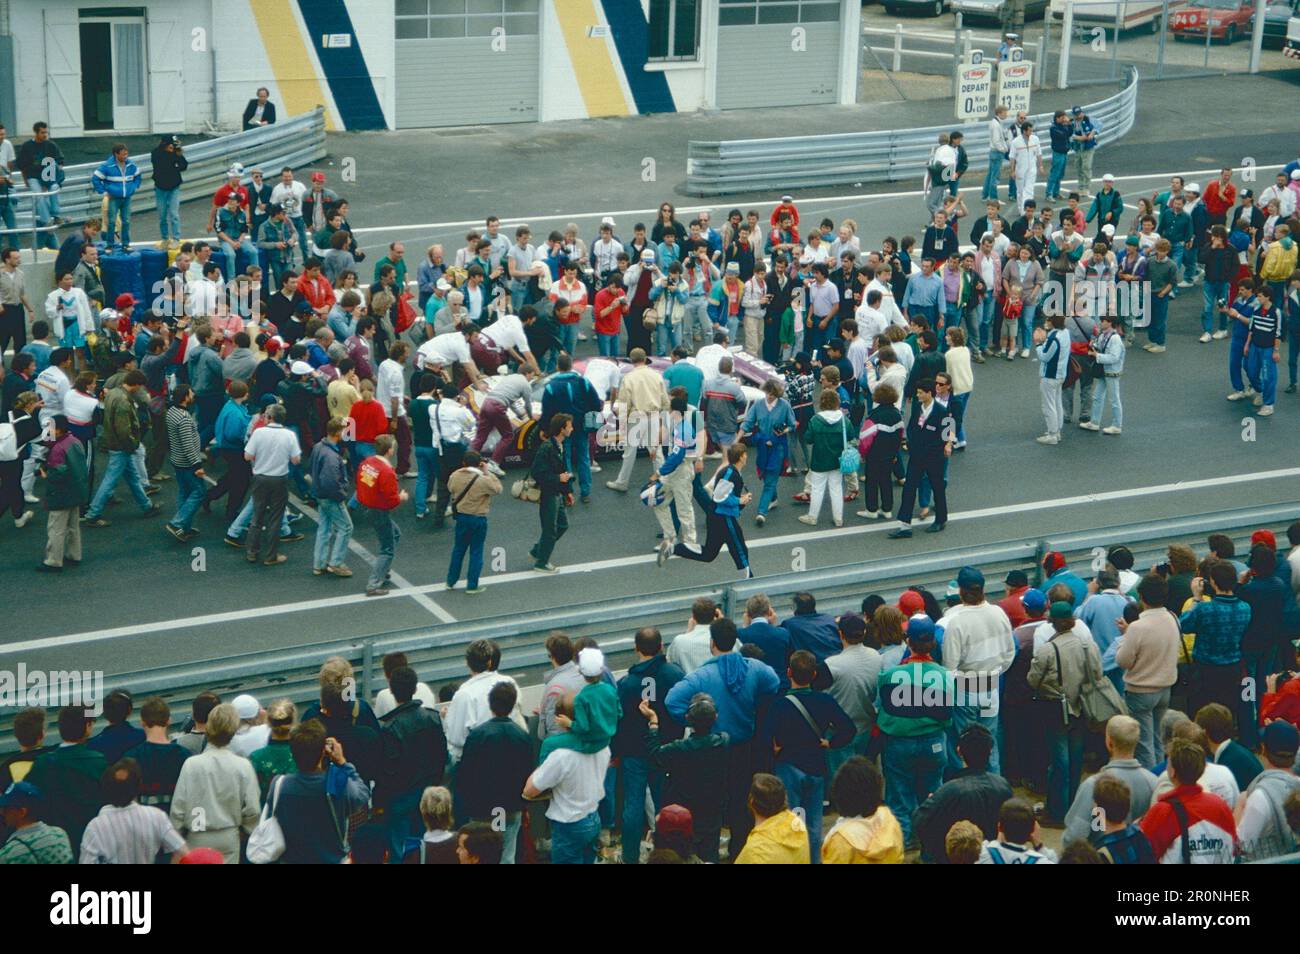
(1164, 32)
(898, 47)
(1044, 47)
(1063, 62)
(367, 663)
(956, 52)
(1257, 34)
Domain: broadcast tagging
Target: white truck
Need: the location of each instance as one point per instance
(1292, 48)
(1129, 14)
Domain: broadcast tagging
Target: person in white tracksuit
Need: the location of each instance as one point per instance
(1053, 353)
(1026, 163)
(676, 475)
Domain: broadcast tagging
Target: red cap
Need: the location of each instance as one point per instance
(272, 346)
(1054, 561)
(202, 856)
(124, 300)
(911, 603)
(675, 818)
(318, 177)
(1265, 537)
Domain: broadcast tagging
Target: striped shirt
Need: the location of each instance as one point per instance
(128, 836)
(38, 844)
(1263, 328)
(183, 448)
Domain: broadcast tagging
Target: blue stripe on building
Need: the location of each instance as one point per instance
(345, 66)
(631, 38)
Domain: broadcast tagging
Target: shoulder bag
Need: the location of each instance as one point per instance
(850, 458)
(266, 843)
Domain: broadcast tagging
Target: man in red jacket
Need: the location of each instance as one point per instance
(1219, 198)
(378, 492)
(1189, 825)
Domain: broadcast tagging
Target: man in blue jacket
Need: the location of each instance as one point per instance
(1056, 571)
(118, 178)
(1062, 131)
(650, 678)
(761, 630)
(737, 685)
(811, 630)
(570, 393)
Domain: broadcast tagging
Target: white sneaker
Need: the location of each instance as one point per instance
(838, 523)
(1157, 349)
(25, 519)
(1186, 284)
(1048, 439)
(1110, 430)
(615, 485)
(495, 468)
(595, 468)
(1236, 395)
(1219, 335)
(1266, 410)
(867, 514)
(1090, 425)
(808, 519)
(1258, 400)
(1205, 338)
(31, 498)
(1024, 352)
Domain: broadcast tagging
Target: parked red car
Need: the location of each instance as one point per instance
(1227, 19)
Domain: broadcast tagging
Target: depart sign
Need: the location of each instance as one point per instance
(974, 82)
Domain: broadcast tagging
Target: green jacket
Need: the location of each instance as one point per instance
(121, 423)
(595, 720)
(1103, 203)
(914, 699)
(68, 778)
(67, 484)
(828, 442)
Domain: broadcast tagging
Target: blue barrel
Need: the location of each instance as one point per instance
(243, 260)
(153, 265)
(121, 273)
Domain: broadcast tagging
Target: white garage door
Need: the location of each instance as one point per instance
(466, 62)
(778, 53)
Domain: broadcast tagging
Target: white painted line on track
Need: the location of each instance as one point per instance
(881, 526)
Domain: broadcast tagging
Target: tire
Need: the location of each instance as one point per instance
(938, 8)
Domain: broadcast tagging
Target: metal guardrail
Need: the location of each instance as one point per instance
(437, 652)
(294, 142)
(770, 165)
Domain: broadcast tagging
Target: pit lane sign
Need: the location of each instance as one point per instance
(974, 82)
(1015, 80)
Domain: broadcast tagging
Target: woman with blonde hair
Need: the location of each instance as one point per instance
(438, 844)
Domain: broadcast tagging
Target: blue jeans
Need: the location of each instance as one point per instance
(577, 457)
(300, 226)
(43, 210)
(805, 792)
(332, 535)
(913, 768)
(471, 533)
(120, 464)
(7, 213)
(1213, 292)
(232, 262)
(388, 534)
(426, 469)
(1056, 174)
(770, 480)
(637, 780)
(574, 843)
(169, 212)
(568, 335)
(962, 401)
(1065, 751)
(189, 495)
(240, 527)
(607, 346)
(951, 319)
(666, 338)
(1159, 319)
(514, 821)
(1027, 325)
(295, 470)
(698, 323)
(837, 757)
(118, 207)
(403, 819)
(1263, 373)
(970, 324)
(993, 175)
(1178, 255)
(1149, 709)
(987, 307)
(1107, 389)
(1236, 357)
(518, 291)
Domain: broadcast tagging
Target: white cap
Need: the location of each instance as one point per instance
(1108, 178)
(591, 662)
(246, 706)
(806, 258)
(1192, 187)
(647, 255)
(1108, 229)
(443, 285)
(1295, 173)
(608, 220)
(300, 367)
(236, 169)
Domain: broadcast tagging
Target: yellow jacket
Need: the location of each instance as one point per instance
(877, 840)
(1278, 263)
(779, 840)
(643, 389)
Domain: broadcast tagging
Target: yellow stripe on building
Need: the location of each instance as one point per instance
(590, 56)
(295, 71)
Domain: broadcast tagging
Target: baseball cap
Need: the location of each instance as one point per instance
(1017, 578)
(318, 177)
(920, 627)
(1108, 178)
(1279, 736)
(1033, 600)
(1295, 173)
(1061, 610)
(806, 258)
(675, 819)
(647, 255)
(733, 268)
(1192, 187)
(1054, 561)
(968, 576)
(608, 220)
(202, 856)
(911, 602)
(443, 285)
(246, 706)
(1132, 240)
(953, 591)
(300, 367)
(1265, 537)
(1247, 193)
(20, 795)
(591, 662)
(267, 400)
(124, 300)
(236, 170)
(1076, 110)
(787, 198)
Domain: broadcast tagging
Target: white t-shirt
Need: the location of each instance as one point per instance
(449, 347)
(576, 782)
(390, 387)
(385, 702)
(290, 197)
(604, 375)
(7, 158)
(452, 422)
(79, 408)
(507, 332)
(53, 387)
(871, 322)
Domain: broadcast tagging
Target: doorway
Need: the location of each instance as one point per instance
(114, 82)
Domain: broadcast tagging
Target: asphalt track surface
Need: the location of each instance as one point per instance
(138, 600)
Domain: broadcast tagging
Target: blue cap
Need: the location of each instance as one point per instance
(920, 627)
(1280, 736)
(20, 795)
(1076, 110)
(968, 576)
(1033, 600)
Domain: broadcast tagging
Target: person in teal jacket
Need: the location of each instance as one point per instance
(595, 711)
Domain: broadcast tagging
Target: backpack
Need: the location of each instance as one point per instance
(8, 439)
